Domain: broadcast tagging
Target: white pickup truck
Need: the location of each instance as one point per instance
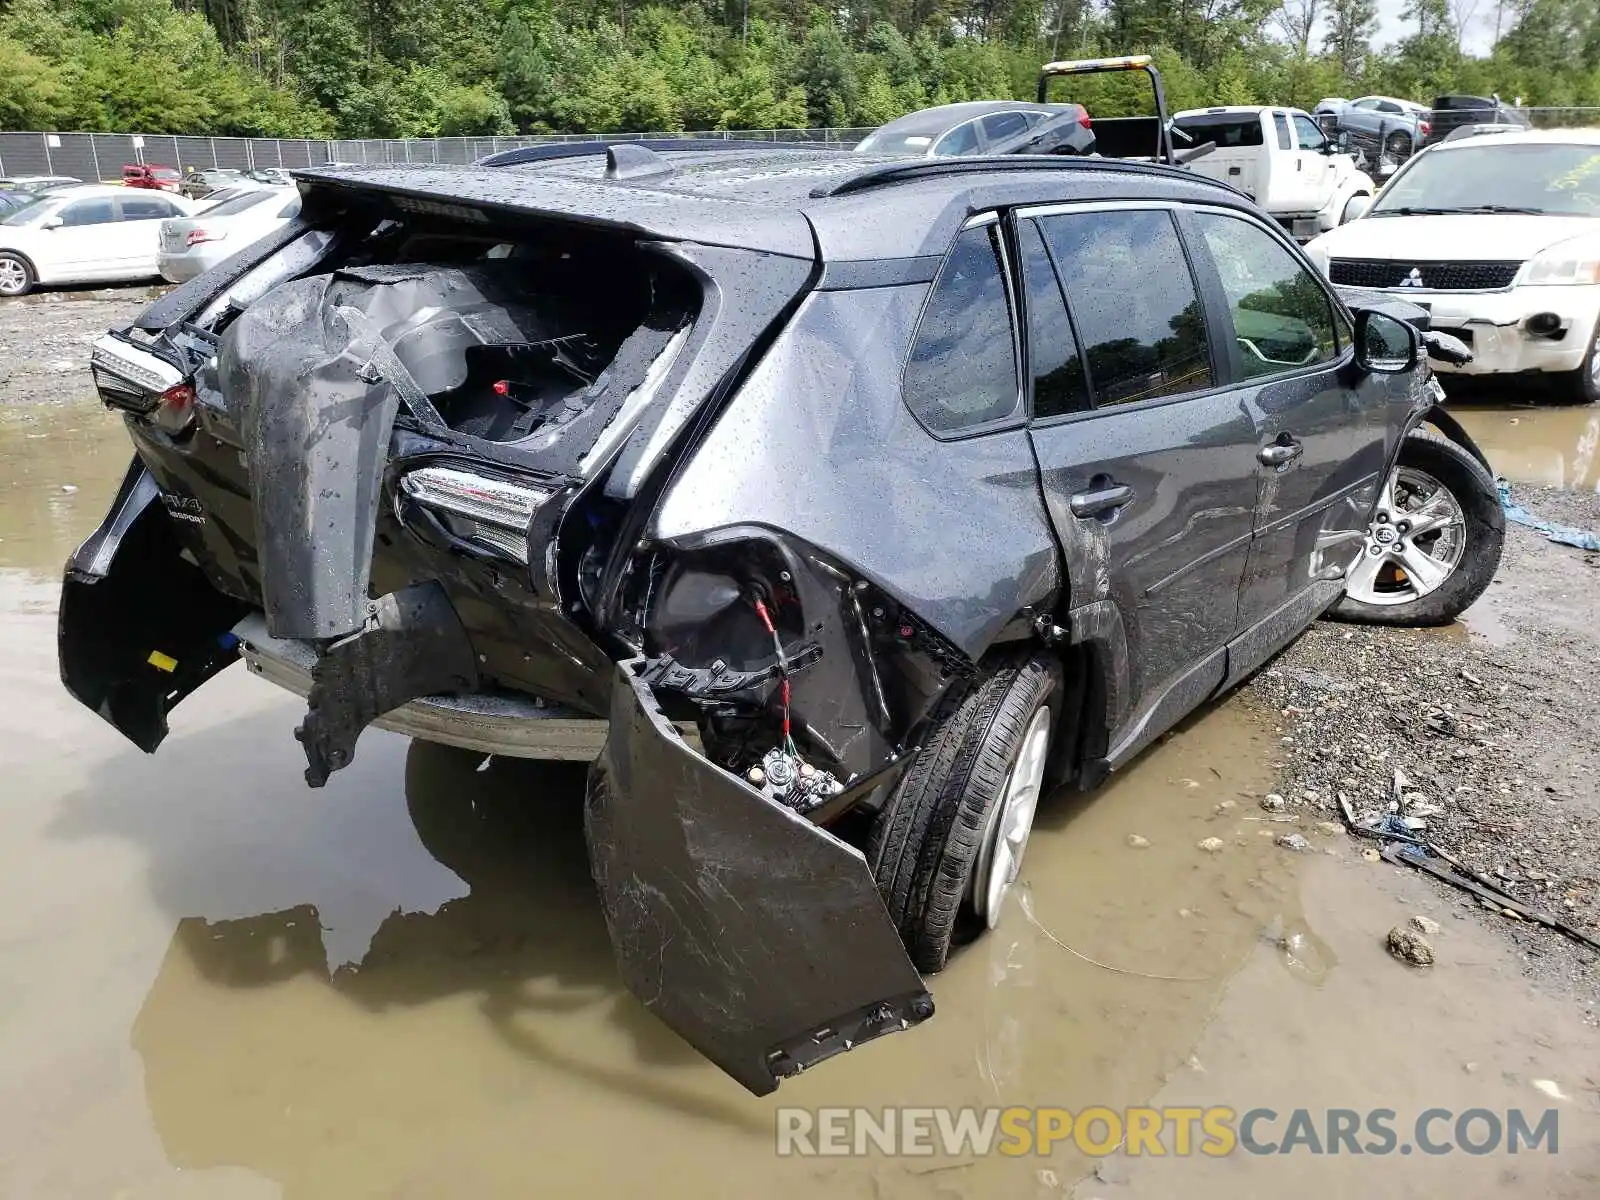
(1281, 159)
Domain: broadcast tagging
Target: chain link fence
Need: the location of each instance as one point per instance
(91, 156)
(101, 156)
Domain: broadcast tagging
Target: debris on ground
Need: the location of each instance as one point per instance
(1425, 925)
(1137, 842)
(1295, 842)
(1210, 845)
(1410, 946)
(1565, 535)
(1272, 802)
(1483, 746)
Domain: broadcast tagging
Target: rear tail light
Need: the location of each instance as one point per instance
(129, 378)
(1083, 118)
(196, 236)
(1425, 127)
(492, 514)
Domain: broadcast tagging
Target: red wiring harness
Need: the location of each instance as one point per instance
(783, 670)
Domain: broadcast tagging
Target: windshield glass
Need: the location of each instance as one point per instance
(28, 213)
(1536, 177)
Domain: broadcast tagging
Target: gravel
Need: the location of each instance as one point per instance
(1489, 740)
(45, 340)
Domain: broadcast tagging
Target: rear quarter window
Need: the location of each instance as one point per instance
(962, 370)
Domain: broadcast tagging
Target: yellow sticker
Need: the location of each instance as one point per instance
(162, 662)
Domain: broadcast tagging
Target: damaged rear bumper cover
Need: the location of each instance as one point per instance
(759, 937)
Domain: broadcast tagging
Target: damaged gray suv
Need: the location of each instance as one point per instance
(836, 507)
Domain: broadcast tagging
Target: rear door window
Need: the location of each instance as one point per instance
(147, 208)
(997, 127)
(1285, 139)
(1134, 302)
(962, 370)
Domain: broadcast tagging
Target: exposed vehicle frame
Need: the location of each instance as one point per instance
(316, 491)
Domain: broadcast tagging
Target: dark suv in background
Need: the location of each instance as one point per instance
(1452, 112)
(853, 501)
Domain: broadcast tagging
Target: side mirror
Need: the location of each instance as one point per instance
(51, 223)
(1385, 345)
(1358, 205)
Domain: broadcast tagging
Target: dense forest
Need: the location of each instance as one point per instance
(421, 68)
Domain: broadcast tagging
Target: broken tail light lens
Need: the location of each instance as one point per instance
(196, 236)
(175, 412)
(492, 514)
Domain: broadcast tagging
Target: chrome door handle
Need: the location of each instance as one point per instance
(1100, 501)
(1280, 453)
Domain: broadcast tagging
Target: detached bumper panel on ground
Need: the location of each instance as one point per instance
(756, 935)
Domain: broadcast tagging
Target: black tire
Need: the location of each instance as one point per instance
(925, 842)
(16, 262)
(1474, 490)
(1583, 385)
(1397, 145)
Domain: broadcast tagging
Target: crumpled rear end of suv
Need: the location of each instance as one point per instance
(403, 456)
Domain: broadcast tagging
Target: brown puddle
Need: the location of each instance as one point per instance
(1554, 446)
(487, 1045)
(59, 468)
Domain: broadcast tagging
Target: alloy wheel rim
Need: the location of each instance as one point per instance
(1414, 543)
(12, 277)
(1005, 835)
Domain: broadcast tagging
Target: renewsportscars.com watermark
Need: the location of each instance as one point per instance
(1158, 1132)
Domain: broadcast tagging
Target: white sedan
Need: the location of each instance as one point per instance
(193, 245)
(1498, 236)
(92, 234)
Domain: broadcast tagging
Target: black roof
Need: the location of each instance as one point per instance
(778, 199)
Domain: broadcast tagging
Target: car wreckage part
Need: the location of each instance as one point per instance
(1434, 541)
(936, 847)
(713, 893)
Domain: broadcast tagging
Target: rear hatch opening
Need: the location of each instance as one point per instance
(507, 341)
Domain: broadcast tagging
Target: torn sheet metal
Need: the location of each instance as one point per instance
(412, 646)
(756, 935)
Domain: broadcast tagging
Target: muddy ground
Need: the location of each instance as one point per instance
(219, 983)
(45, 339)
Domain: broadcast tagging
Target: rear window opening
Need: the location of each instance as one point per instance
(525, 341)
(1227, 130)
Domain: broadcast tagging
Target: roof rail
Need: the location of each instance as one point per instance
(887, 173)
(549, 151)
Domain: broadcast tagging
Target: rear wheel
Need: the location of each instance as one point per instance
(1434, 541)
(1397, 145)
(949, 843)
(16, 275)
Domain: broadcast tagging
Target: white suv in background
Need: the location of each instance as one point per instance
(1499, 238)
